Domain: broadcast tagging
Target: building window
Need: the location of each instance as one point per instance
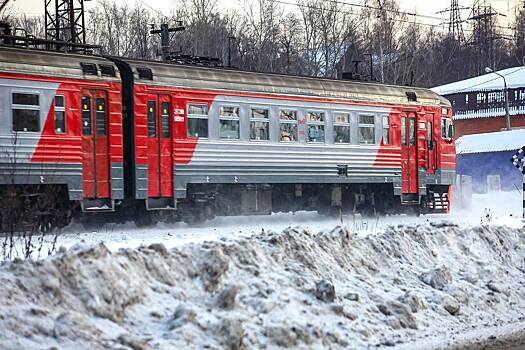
(197, 120)
(366, 129)
(288, 125)
(229, 123)
(341, 128)
(386, 130)
(60, 114)
(26, 112)
(260, 124)
(315, 122)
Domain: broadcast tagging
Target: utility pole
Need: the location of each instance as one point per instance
(356, 66)
(166, 35)
(505, 96)
(230, 38)
(371, 66)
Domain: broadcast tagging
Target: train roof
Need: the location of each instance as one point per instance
(231, 80)
(57, 64)
(92, 67)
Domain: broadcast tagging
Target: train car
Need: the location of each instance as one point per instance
(205, 141)
(61, 142)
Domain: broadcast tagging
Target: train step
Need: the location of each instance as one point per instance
(98, 205)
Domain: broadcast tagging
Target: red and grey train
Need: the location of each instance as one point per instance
(85, 135)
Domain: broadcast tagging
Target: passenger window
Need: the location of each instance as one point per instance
(341, 128)
(60, 114)
(260, 124)
(229, 123)
(366, 129)
(386, 130)
(26, 112)
(315, 122)
(197, 120)
(86, 115)
(288, 125)
(152, 119)
(165, 120)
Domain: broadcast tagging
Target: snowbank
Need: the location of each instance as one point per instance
(292, 289)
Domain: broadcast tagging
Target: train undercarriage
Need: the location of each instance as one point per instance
(44, 208)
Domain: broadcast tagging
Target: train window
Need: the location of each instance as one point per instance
(447, 129)
(366, 129)
(412, 127)
(197, 120)
(386, 130)
(152, 119)
(165, 120)
(60, 114)
(430, 136)
(404, 131)
(86, 115)
(315, 122)
(101, 115)
(26, 112)
(260, 124)
(229, 123)
(341, 128)
(288, 125)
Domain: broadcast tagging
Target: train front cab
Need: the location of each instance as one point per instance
(427, 158)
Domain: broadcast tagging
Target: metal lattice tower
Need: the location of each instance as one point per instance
(65, 22)
(484, 35)
(455, 27)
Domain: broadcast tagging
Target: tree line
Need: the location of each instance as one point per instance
(322, 38)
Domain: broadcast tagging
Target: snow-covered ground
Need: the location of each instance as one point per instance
(500, 208)
(414, 286)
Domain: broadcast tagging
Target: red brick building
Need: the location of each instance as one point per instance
(479, 103)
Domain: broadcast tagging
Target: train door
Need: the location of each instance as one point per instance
(409, 153)
(160, 147)
(95, 145)
(431, 144)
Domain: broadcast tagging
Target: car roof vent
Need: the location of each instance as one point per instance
(145, 73)
(89, 68)
(107, 70)
(411, 95)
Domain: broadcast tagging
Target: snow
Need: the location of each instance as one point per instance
(491, 142)
(488, 113)
(253, 280)
(496, 208)
(392, 287)
(515, 77)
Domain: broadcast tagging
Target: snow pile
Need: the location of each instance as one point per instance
(292, 289)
